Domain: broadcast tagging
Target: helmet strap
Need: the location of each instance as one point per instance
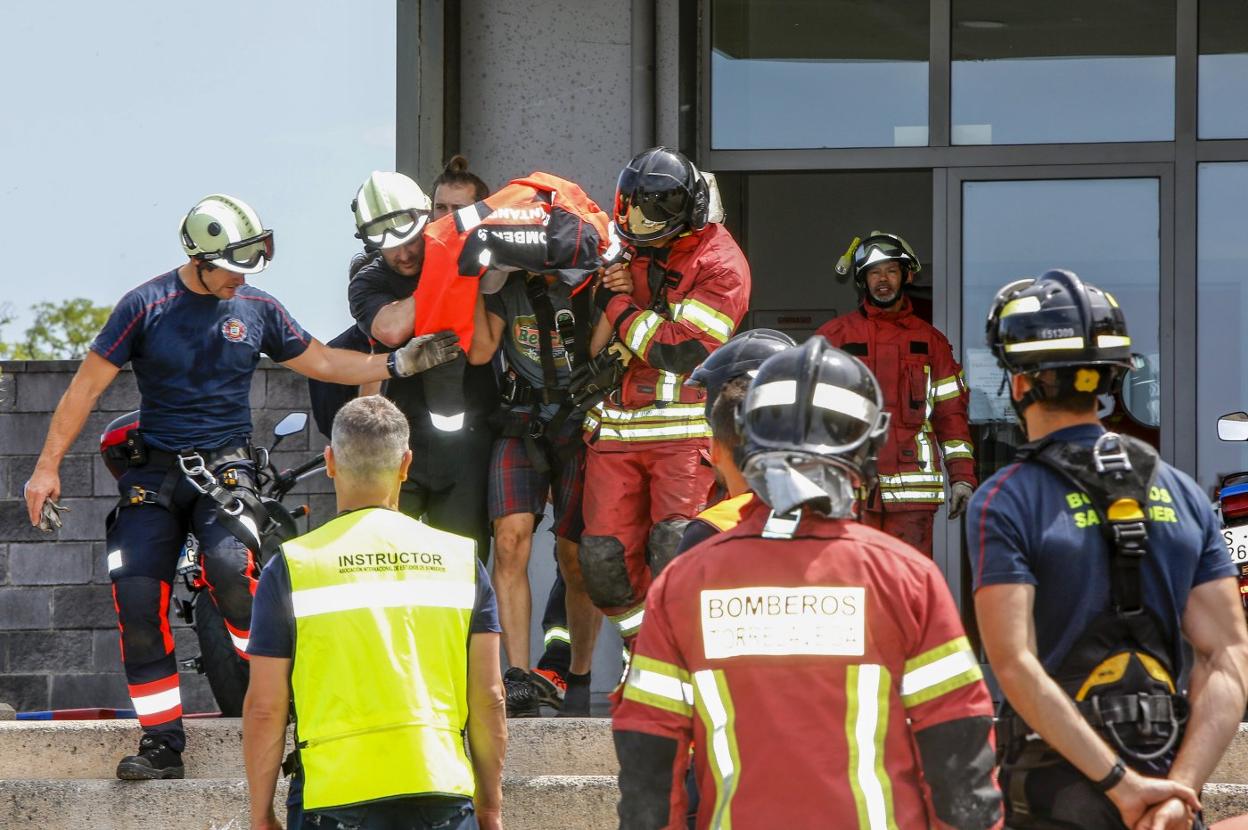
(199, 275)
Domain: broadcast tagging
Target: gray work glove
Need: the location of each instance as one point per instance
(423, 353)
(959, 498)
(50, 517)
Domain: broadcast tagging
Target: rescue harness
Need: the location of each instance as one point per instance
(214, 473)
(522, 415)
(1120, 671)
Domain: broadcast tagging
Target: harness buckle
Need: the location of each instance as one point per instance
(140, 495)
(1129, 538)
(192, 466)
(536, 428)
(1110, 455)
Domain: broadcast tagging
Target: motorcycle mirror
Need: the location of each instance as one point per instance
(1233, 427)
(292, 423)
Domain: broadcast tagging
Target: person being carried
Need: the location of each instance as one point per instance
(385, 633)
(193, 336)
(543, 326)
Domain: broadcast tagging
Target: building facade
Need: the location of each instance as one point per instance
(1000, 139)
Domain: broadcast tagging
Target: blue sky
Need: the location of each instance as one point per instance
(120, 116)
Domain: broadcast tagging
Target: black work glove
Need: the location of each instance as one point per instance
(423, 353)
(594, 379)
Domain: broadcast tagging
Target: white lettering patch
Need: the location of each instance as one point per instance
(780, 621)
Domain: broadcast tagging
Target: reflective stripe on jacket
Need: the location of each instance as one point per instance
(924, 391)
(858, 630)
(706, 282)
(382, 607)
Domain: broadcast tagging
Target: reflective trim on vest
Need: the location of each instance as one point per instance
(866, 726)
(652, 423)
(668, 387)
(629, 622)
(383, 610)
(556, 634)
(657, 414)
(726, 514)
(640, 330)
(705, 318)
(920, 496)
(939, 671)
(658, 684)
(714, 707)
(375, 595)
(927, 393)
(953, 450)
(903, 480)
(667, 433)
(946, 389)
(923, 443)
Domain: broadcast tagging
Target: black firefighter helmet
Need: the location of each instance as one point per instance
(659, 194)
(742, 355)
(810, 411)
(1057, 321)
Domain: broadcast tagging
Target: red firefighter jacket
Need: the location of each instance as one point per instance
(700, 292)
(859, 631)
(542, 224)
(925, 393)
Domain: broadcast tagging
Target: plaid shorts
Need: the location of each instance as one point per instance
(517, 487)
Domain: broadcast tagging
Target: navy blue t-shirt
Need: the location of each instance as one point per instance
(193, 357)
(1026, 524)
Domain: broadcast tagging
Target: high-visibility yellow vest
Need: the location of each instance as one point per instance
(726, 514)
(382, 606)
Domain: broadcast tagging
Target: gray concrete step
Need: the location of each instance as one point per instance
(91, 749)
(1233, 768)
(1224, 800)
(529, 803)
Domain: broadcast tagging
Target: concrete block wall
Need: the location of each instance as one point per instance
(58, 631)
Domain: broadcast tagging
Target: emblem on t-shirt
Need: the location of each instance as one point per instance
(233, 330)
(528, 337)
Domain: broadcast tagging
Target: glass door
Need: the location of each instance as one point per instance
(1105, 223)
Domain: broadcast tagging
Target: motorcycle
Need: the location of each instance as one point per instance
(1232, 502)
(227, 673)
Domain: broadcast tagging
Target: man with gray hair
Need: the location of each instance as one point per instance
(397, 657)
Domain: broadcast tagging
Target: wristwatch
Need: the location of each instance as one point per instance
(1116, 773)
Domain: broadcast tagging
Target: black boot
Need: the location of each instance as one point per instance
(522, 699)
(155, 760)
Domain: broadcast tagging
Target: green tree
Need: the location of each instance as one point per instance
(60, 331)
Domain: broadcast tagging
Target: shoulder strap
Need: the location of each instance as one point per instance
(545, 313)
(1117, 474)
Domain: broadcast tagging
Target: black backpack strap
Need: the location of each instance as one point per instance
(539, 298)
(1117, 474)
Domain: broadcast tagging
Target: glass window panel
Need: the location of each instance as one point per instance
(1106, 231)
(1221, 315)
(1223, 69)
(833, 73)
(1062, 71)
